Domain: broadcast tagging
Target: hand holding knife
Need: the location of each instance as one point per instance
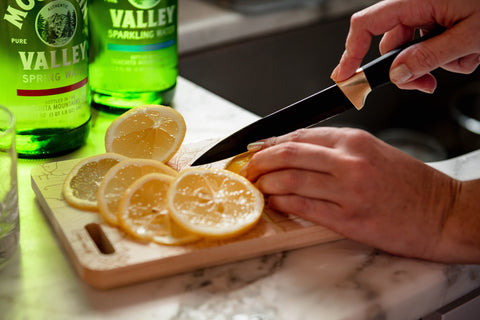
(309, 111)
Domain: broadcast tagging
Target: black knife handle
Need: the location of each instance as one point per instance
(377, 71)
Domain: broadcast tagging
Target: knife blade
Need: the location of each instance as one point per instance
(313, 109)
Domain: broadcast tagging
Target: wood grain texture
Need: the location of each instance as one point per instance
(106, 257)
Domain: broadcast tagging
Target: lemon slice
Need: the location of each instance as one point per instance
(81, 184)
(119, 178)
(143, 212)
(214, 203)
(147, 132)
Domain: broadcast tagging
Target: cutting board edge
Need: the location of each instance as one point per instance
(208, 257)
(58, 231)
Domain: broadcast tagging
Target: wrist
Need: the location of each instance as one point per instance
(460, 235)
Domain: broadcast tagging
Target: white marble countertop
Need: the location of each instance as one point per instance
(339, 280)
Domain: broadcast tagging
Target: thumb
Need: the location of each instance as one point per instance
(424, 57)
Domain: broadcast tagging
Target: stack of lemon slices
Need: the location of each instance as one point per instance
(133, 188)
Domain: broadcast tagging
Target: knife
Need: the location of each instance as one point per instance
(313, 109)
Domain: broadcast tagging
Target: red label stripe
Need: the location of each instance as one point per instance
(49, 92)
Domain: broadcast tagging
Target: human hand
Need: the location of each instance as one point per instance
(456, 50)
(360, 187)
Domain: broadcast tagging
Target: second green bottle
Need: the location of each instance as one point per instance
(133, 53)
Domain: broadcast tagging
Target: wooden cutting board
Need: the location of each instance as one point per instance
(106, 257)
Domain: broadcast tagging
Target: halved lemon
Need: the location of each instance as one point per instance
(214, 203)
(147, 132)
(119, 178)
(238, 162)
(143, 212)
(81, 184)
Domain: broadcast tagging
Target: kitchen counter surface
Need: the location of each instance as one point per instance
(338, 280)
(204, 23)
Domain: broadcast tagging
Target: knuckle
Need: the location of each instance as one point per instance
(299, 134)
(359, 144)
(273, 141)
(300, 205)
(357, 19)
(292, 179)
(288, 152)
(425, 57)
(357, 136)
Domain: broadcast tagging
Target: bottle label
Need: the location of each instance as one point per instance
(134, 44)
(146, 24)
(45, 53)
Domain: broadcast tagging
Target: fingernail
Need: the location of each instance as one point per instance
(429, 91)
(400, 74)
(255, 146)
(334, 73)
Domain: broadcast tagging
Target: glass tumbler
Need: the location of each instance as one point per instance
(9, 219)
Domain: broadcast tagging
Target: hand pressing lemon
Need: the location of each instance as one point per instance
(133, 188)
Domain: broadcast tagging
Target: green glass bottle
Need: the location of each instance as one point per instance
(133, 53)
(44, 54)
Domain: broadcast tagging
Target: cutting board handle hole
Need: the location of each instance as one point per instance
(100, 239)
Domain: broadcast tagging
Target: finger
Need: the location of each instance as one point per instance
(464, 65)
(395, 38)
(321, 212)
(324, 136)
(356, 47)
(290, 155)
(424, 57)
(349, 63)
(362, 28)
(305, 183)
(426, 83)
